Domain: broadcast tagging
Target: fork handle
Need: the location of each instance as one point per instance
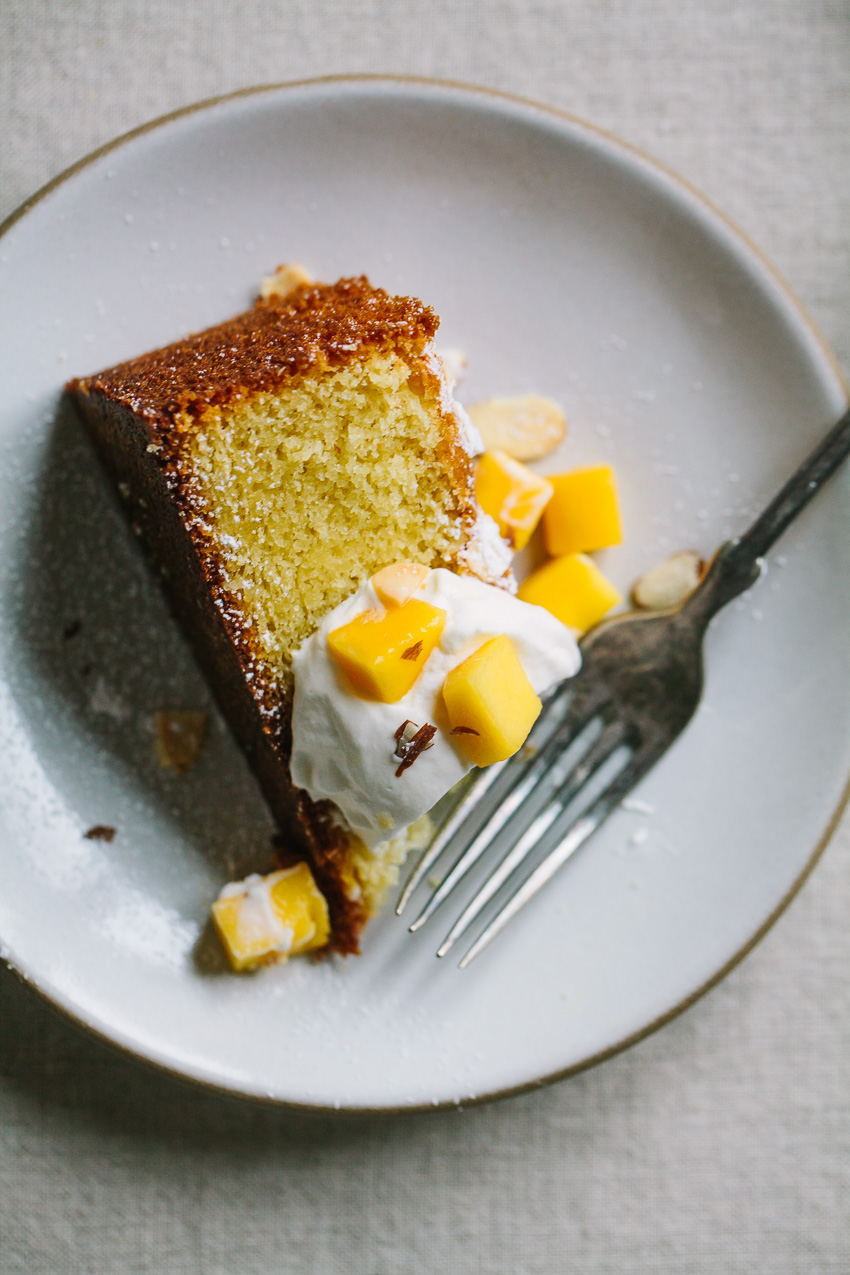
(737, 563)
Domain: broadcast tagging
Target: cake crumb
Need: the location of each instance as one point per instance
(100, 832)
(285, 280)
(180, 738)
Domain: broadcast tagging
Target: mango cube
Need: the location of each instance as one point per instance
(584, 513)
(573, 589)
(265, 919)
(511, 494)
(490, 702)
(397, 584)
(383, 652)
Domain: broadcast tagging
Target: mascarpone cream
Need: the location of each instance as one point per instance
(343, 742)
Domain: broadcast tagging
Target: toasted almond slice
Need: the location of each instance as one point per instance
(180, 738)
(397, 583)
(526, 428)
(285, 280)
(670, 582)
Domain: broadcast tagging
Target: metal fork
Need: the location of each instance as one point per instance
(639, 685)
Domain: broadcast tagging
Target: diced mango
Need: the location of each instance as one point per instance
(573, 589)
(490, 702)
(397, 584)
(385, 651)
(584, 513)
(512, 494)
(265, 919)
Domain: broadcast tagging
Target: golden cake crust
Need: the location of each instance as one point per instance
(316, 327)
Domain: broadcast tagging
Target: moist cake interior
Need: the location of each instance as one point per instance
(313, 488)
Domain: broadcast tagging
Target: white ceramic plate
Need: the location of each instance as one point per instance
(563, 262)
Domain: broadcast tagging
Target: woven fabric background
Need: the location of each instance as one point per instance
(720, 1145)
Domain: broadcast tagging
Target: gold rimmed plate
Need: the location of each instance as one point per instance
(562, 262)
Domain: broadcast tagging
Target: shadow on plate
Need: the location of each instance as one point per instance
(97, 653)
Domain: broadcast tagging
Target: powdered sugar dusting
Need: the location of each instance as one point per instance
(434, 364)
(487, 555)
(454, 362)
(139, 924)
(469, 437)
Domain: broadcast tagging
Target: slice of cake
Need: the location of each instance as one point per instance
(272, 465)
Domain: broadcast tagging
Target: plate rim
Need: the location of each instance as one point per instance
(219, 1088)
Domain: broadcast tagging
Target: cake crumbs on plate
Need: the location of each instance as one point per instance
(180, 738)
(100, 832)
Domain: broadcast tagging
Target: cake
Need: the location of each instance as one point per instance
(271, 465)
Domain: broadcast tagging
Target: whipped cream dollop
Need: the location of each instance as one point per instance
(343, 741)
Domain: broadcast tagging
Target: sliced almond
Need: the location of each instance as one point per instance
(397, 583)
(285, 280)
(526, 428)
(670, 582)
(180, 738)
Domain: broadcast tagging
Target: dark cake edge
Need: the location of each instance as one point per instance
(126, 448)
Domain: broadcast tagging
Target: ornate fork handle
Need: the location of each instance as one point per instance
(737, 563)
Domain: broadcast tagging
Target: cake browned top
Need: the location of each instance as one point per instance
(315, 327)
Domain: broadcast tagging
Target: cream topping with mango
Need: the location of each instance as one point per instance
(262, 920)
(344, 736)
(422, 674)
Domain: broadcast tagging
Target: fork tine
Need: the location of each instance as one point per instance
(528, 777)
(472, 799)
(599, 752)
(572, 837)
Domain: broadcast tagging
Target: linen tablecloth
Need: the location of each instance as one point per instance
(721, 1144)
